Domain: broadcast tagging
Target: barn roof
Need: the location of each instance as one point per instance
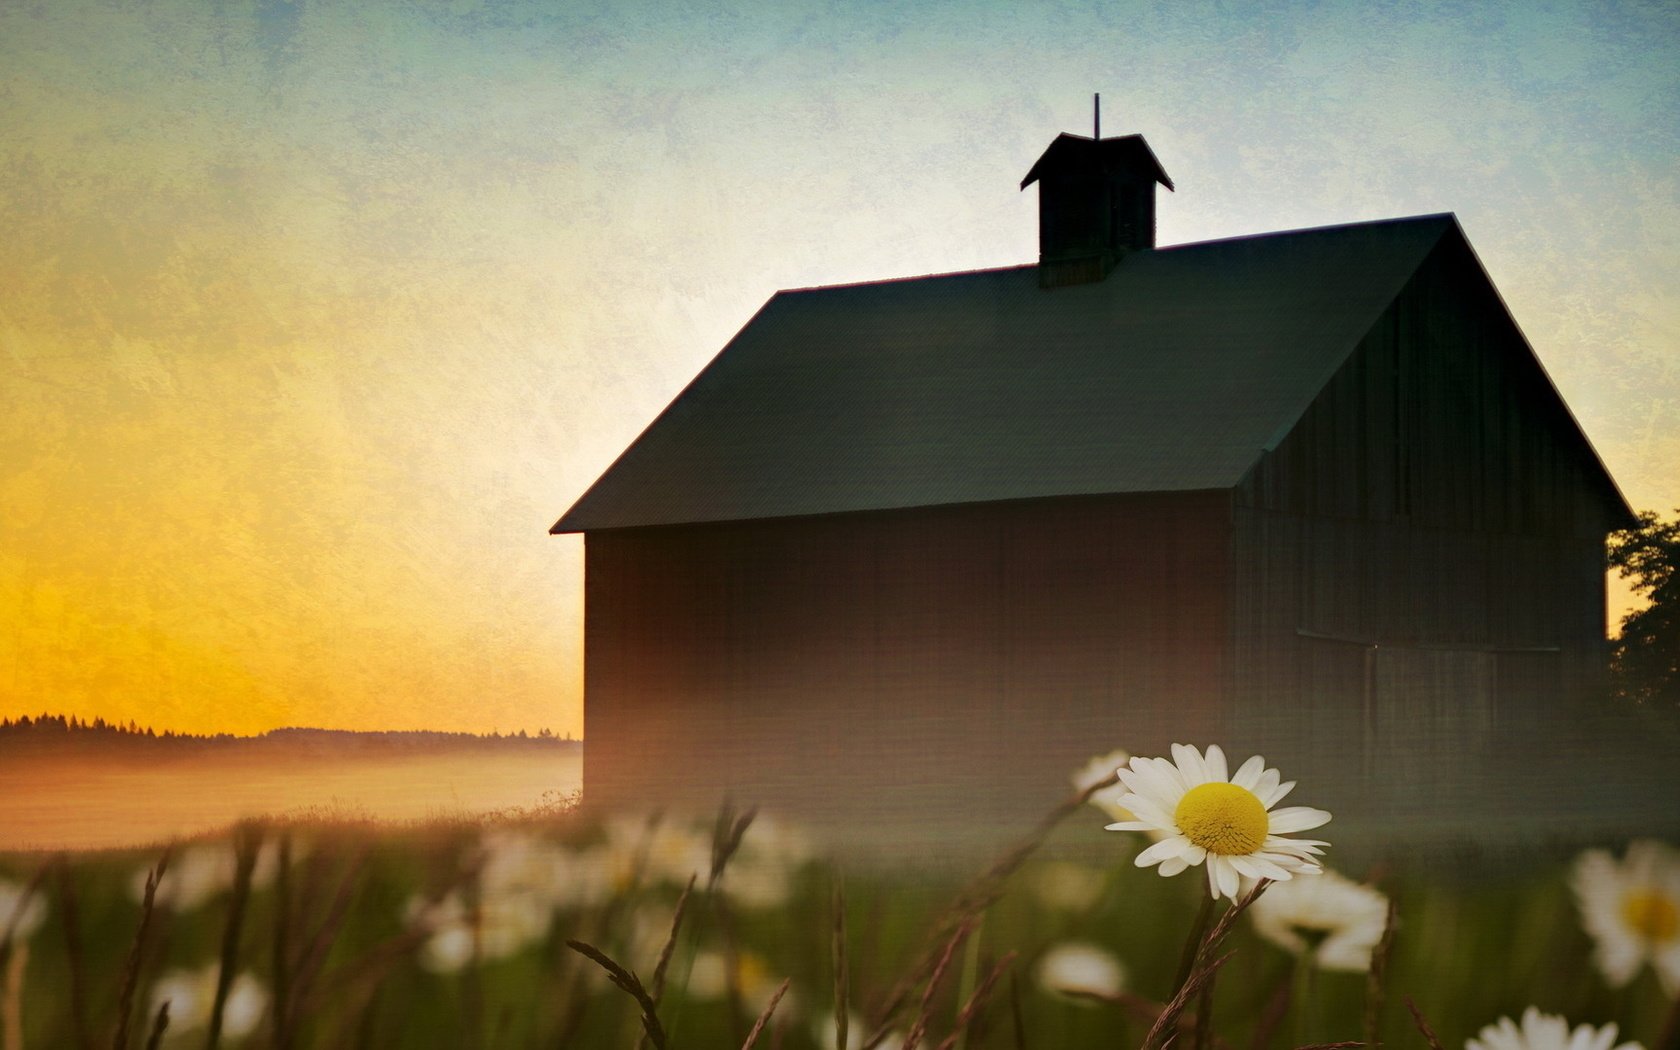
(1173, 374)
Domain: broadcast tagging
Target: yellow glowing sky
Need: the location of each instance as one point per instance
(314, 316)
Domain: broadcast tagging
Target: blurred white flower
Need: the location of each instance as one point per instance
(199, 873)
(1544, 1032)
(1098, 770)
(1631, 909)
(243, 1011)
(708, 976)
(1073, 966)
(708, 980)
(505, 924)
(1067, 886)
(1225, 821)
(23, 919)
(191, 995)
(668, 851)
(772, 837)
(518, 863)
(1332, 920)
(857, 1030)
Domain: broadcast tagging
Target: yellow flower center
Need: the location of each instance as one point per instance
(1222, 818)
(1652, 915)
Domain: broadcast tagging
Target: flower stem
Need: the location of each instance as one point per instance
(1305, 971)
(1193, 946)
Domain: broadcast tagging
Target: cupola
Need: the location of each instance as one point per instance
(1096, 202)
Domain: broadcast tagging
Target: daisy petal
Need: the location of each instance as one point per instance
(1215, 763)
(1276, 795)
(1227, 877)
(1249, 775)
(1190, 764)
(1170, 847)
(1297, 818)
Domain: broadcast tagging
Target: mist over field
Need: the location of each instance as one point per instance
(102, 801)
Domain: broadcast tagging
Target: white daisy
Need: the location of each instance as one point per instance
(1545, 1032)
(1225, 821)
(1100, 770)
(1631, 909)
(1073, 967)
(1332, 920)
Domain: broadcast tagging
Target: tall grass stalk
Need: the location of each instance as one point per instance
(1423, 1025)
(842, 976)
(925, 1014)
(727, 834)
(1376, 980)
(160, 1025)
(1203, 968)
(281, 963)
(976, 1002)
(978, 895)
(308, 966)
(69, 912)
(658, 990)
(631, 985)
(11, 999)
(131, 970)
(246, 841)
(764, 1017)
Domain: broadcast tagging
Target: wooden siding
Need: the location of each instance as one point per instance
(901, 668)
(1418, 565)
(1441, 418)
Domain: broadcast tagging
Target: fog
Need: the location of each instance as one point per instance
(54, 802)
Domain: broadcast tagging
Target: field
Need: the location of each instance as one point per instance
(77, 799)
(481, 933)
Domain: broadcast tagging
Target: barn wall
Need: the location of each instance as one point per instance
(1421, 558)
(902, 668)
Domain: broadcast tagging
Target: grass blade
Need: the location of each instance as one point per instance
(1429, 1035)
(131, 970)
(159, 1026)
(246, 841)
(764, 1018)
(632, 985)
(1375, 979)
(842, 977)
(69, 910)
(977, 1001)
(925, 1014)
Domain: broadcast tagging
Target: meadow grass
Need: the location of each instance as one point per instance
(549, 927)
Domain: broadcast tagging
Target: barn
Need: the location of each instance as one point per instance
(906, 552)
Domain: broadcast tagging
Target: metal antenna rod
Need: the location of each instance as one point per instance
(1096, 116)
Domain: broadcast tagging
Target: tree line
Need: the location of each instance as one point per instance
(50, 728)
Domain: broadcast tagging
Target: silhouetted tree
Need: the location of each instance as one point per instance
(1645, 657)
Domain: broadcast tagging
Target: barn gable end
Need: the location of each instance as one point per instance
(1418, 562)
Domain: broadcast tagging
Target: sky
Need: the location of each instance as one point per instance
(314, 316)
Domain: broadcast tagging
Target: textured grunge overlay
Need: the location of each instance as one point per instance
(317, 315)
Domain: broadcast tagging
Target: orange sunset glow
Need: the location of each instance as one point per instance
(316, 316)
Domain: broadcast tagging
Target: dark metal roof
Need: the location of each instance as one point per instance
(1173, 374)
(1128, 152)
